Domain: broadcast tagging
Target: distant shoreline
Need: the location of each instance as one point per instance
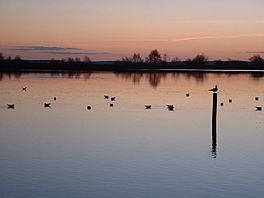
(57, 66)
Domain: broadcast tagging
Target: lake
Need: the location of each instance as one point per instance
(127, 150)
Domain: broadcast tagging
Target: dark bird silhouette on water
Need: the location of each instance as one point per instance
(24, 89)
(257, 98)
(258, 108)
(222, 104)
(187, 95)
(89, 108)
(10, 106)
(215, 89)
(230, 101)
(111, 105)
(47, 105)
(147, 106)
(113, 98)
(106, 97)
(55, 98)
(170, 107)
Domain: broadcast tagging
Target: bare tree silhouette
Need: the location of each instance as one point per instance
(154, 57)
(136, 58)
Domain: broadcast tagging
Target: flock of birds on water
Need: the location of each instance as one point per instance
(147, 106)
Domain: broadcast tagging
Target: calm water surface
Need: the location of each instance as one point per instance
(127, 151)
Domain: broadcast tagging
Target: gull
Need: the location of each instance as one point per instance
(170, 107)
(46, 105)
(259, 108)
(147, 106)
(215, 89)
(11, 106)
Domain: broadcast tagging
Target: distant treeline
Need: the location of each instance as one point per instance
(154, 61)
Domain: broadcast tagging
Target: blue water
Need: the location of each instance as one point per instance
(127, 151)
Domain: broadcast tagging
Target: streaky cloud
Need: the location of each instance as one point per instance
(255, 52)
(193, 38)
(197, 38)
(55, 50)
(216, 37)
(41, 48)
(76, 53)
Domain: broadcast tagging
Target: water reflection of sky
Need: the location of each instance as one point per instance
(67, 151)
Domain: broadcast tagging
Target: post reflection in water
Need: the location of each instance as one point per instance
(214, 117)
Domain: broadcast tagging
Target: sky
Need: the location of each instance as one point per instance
(111, 29)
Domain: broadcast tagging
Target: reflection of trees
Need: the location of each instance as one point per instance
(70, 75)
(198, 76)
(155, 78)
(135, 76)
(257, 75)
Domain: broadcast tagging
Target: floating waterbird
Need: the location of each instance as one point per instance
(230, 101)
(46, 105)
(89, 108)
(113, 98)
(256, 98)
(111, 105)
(24, 89)
(11, 106)
(170, 107)
(215, 89)
(55, 98)
(106, 97)
(259, 108)
(222, 104)
(187, 95)
(148, 106)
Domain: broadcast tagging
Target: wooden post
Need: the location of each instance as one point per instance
(214, 117)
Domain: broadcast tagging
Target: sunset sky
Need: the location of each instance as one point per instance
(110, 29)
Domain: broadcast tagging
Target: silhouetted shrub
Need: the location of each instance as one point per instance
(17, 58)
(86, 59)
(200, 59)
(1, 57)
(256, 59)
